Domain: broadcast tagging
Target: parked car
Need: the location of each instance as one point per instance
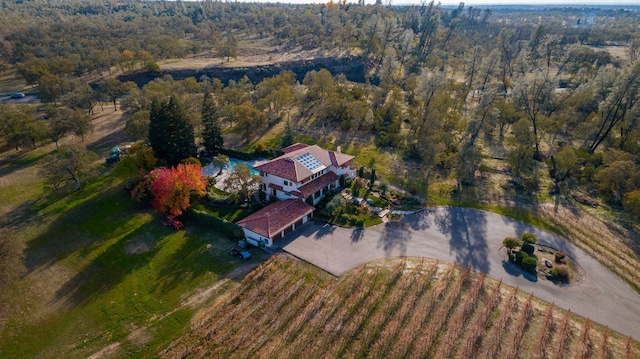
(17, 95)
(239, 252)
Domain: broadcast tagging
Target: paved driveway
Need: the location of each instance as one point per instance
(470, 238)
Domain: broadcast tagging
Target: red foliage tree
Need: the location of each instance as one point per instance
(173, 187)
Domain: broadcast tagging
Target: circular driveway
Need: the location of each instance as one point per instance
(470, 238)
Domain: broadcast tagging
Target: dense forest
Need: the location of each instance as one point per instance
(551, 93)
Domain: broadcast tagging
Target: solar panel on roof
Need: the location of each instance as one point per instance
(310, 162)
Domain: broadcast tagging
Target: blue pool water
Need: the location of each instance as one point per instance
(233, 162)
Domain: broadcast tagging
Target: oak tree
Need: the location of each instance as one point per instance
(68, 167)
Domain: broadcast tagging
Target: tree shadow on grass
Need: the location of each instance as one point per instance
(82, 227)
(194, 259)
(17, 161)
(105, 271)
(21, 216)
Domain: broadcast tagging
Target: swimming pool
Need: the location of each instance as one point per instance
(233, 162)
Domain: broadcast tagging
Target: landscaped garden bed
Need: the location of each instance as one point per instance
(338, 210)
(542, 261)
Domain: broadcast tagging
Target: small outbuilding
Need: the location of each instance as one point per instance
(273, 222)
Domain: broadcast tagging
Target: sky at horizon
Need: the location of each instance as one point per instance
(474, 2)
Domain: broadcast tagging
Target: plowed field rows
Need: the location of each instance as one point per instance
(403, 308)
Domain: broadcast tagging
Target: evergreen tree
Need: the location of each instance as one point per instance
(288, 138)
(211, 134)
(171, 135)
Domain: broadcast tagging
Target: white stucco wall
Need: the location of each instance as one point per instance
(268, 179)
(254, 238)
(271, 179)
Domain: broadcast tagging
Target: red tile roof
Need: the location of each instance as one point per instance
(275, 217)
(275, 186)
(318, 184)
(294, 147)
(288, 167)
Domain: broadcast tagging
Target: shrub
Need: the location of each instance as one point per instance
(211, 182)
(528, 237)
(511, 242)
(336, 205)
(190, 161)
(528, 248)
(520, 256)
(357, 185)
(344, 218)
(631, 204)
(529, 264)
(560, 273)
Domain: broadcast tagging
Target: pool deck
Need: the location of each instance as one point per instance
(211, 171)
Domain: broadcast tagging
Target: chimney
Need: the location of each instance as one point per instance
(338, 149)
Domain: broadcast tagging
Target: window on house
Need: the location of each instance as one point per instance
(286, 183)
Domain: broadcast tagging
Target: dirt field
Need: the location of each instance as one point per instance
(253, 51)
(615, 51)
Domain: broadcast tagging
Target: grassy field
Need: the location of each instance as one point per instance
(388, 309)
(101, 274)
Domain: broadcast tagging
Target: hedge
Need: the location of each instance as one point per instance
(529, 264)
(226, 228)
(528, 248)
(248, 156)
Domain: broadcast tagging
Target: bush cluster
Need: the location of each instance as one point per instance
(560, 273)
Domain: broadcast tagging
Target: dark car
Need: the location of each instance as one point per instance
(17, 95)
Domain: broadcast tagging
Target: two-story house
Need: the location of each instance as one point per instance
(303, 175)
(304, 172)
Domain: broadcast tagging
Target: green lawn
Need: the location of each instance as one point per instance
(377, 201)
(229, 213)
(108, 267)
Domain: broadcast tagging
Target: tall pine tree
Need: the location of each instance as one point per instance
(171, 134)
(211, 133)
(288, 137)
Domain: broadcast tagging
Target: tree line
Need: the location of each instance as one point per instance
(446, 88)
